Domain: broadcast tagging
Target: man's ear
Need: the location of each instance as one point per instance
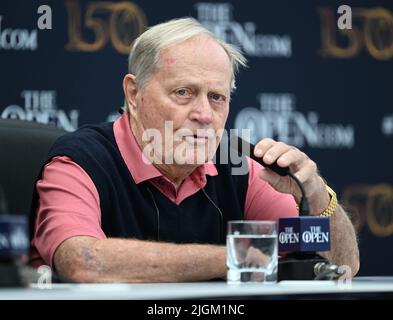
(130, 89)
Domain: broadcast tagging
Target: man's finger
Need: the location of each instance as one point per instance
(292, 157)
(262, 146)
(306, 171)
(275, 152)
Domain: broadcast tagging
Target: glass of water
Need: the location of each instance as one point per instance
(252, 251)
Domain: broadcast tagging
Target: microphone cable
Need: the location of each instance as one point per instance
(304, 209)
(157, 212)
(220, 212)
(221, 223)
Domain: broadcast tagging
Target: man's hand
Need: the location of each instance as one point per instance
(344, 248)
(300, 165)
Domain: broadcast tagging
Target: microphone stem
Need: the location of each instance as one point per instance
(304, 209)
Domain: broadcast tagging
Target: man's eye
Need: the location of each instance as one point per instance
(217, 97)
(182, 92)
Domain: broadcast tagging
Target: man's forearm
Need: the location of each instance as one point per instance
(85, 259)
(344, 248)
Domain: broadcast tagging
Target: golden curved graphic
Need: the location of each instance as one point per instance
(378, 33)
(380, 210)
(371, 204)
(97, 25)
(354, 200)
(329, 39)
(127, 22)
(329, 45)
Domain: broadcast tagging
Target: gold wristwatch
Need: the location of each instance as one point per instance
(332, 204)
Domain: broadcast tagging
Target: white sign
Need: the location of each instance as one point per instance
(217, 17)
(17, 39)
(277, 119)
(40, 106)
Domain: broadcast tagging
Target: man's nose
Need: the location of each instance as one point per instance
(202, 111)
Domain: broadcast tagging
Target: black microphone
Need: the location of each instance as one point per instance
(245, 148)
(299, 237)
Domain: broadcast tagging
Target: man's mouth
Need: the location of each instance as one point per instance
(197, 139)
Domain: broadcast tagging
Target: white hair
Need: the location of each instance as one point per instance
(145, 53)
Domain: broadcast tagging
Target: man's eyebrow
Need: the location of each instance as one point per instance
(185, 81)
(196, 83)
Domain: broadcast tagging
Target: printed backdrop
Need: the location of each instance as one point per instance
(325, 90)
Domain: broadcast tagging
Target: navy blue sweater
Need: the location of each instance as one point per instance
(140, 211)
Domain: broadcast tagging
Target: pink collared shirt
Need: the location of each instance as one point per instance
(69, 203)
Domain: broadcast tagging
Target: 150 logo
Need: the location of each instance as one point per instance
(120, 23)
(371, 28)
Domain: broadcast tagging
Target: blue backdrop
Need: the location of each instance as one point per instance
(326, 90)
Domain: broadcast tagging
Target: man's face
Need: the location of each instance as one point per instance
(186, 100)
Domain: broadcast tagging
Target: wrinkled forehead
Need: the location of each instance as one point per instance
(201, 56)
(201, 48)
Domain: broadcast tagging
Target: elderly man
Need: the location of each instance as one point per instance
(116, 206)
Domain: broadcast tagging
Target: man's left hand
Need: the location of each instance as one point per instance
(300, 165)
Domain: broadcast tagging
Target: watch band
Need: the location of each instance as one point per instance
(332, 204)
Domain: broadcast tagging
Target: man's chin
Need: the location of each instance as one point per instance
(192, 155)
(192, 161)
